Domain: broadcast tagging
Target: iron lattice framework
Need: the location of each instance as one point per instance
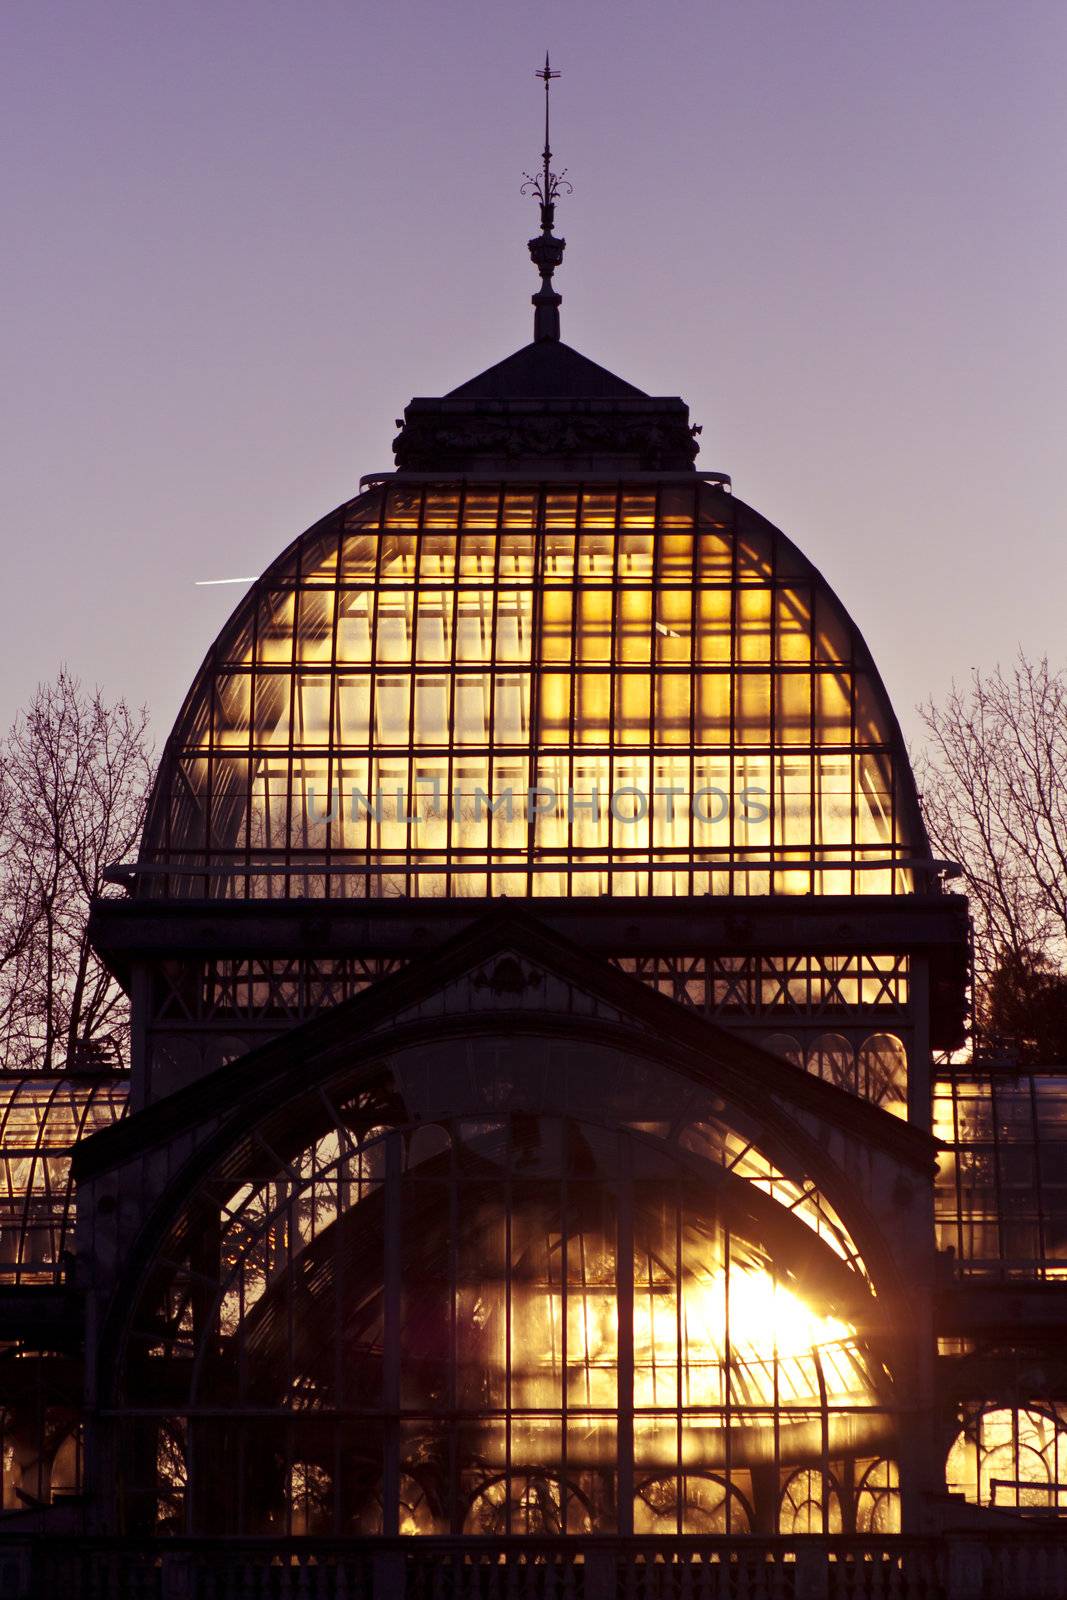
(500, 1323)
(1002, 1182)
(476, 689)
(41, 1120)
(837, 1008)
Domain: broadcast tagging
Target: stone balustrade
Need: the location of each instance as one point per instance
(1028, 1565)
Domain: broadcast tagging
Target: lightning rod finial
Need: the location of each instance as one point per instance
(546, 251)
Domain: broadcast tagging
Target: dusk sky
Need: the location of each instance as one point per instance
(241, 234)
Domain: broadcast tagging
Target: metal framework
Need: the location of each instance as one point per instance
(470, 689)
(273, 993)
(506, 1324)
(41, 1120)
(805, 984)
(859, 994)
(521, 1313)
(1002, 1184)
(1014, 1457)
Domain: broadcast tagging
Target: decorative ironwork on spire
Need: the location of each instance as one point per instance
(546, 251)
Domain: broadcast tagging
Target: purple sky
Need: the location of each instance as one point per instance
(240, 234)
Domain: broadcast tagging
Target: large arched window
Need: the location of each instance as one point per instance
(542, 689)
(507, 1321)
(1014, 1457)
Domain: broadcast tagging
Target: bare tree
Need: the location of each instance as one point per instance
(74, 773)
(994, 784)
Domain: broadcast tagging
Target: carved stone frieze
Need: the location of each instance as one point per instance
(656, 439)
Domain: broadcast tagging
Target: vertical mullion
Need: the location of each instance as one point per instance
(491, 673)
(577, 616)
(509, 1201)
(344, 1203)
(727, 1347)
(451, 667)
(735, 689)
(696, 664)
(212, 727)
(585, 1318)
(777, 1423)
(375, 882)
(412, 879)
(616, 672)
(652, 807)
(815, 769)
(775, 851)
(960, 1219)
(391, 1329)
(292, 1234)
(453, 1326)
(1037, 1167)
(681, 1192)
(298, 608)
(624, 1295)
(824, 1410)
(287, 1435)
(564, 1301)
(888, 756)
(537, 623)
(333, 740)
(252, 696)
(998, 1197)
(856, 879)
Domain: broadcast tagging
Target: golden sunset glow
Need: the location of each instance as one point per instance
(507, 690)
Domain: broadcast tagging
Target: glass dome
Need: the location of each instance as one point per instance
(536, 689)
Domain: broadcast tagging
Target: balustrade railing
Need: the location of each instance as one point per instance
(1028, 1565)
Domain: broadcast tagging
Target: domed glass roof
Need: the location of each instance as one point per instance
(536, 688)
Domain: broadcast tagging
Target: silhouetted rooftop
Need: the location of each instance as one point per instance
(546, 370)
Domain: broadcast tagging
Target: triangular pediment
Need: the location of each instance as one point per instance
(509, 975)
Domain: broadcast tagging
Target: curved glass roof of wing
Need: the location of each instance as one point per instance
(41, 1120)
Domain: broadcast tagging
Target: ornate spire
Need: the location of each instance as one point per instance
(546, 251)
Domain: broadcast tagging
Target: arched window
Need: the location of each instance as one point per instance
(786, 1047)
(810, 1503)
(833, 1059)
(877, 1071)
(699, 1504)
(467, 1325)
(878, 1498)
(1012, 1457)
(882, 1069)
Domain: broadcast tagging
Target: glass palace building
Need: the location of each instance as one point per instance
(527, 1179)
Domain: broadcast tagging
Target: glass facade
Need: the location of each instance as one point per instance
(874, 1068)
(843, 1018)
(41, 1119)
(460, 689)
(41, 1445)
(509, 1322)
(1001, 1193)
(505, 1246)
(500, 1284)
(1012, 1457)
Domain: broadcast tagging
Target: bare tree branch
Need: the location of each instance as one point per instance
(74, 773)
(994, 786)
